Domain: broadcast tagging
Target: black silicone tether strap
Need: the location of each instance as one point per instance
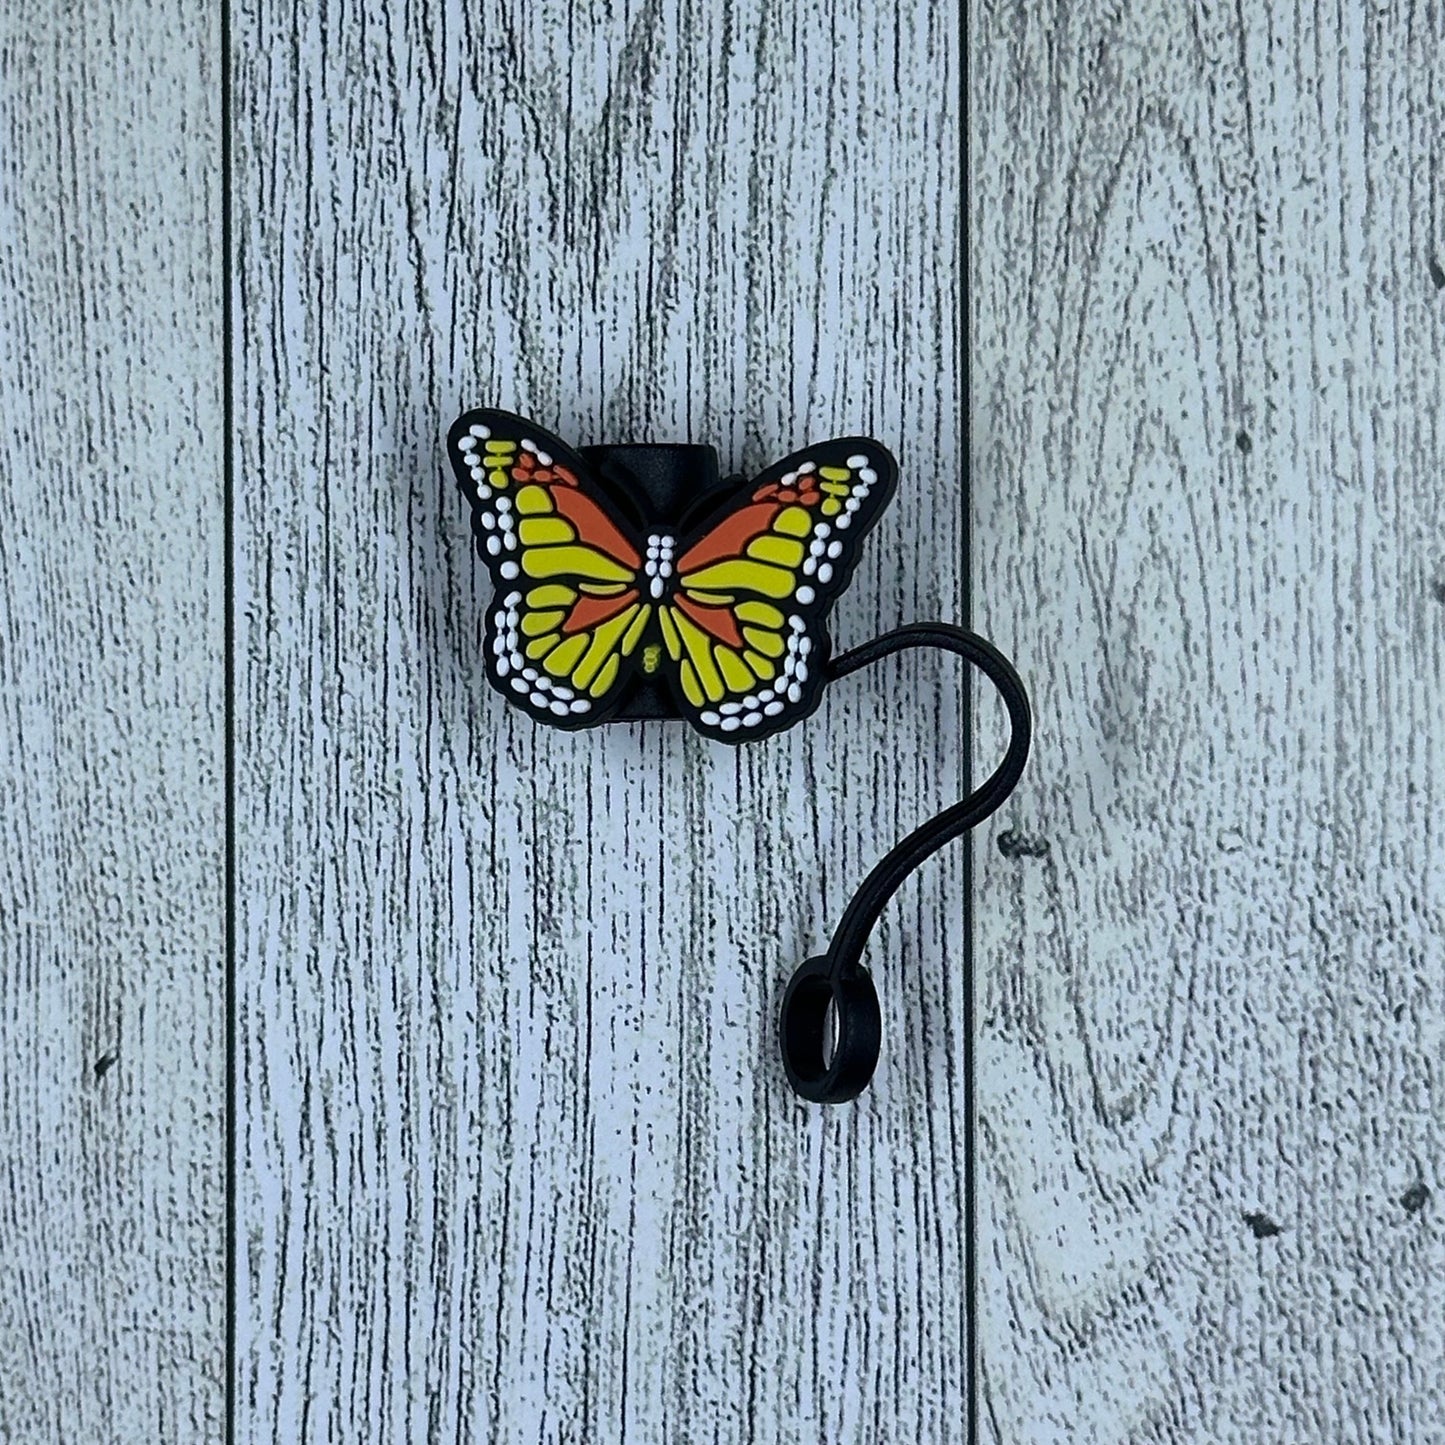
(837, 981)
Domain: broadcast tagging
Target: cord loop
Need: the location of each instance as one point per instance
(837, 982)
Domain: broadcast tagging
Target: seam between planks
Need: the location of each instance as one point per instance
(963, 340)
(228, 669)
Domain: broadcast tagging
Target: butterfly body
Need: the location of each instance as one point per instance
(632, 583)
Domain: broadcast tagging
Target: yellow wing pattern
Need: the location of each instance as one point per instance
(744, 624)
(569, 609)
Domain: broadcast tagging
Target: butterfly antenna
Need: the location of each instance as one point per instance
(829, 1027)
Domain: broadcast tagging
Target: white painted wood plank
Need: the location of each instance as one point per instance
(111, 902)
(518, 1158)
(1208, 517)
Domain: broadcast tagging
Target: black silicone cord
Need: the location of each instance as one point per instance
(838, 978)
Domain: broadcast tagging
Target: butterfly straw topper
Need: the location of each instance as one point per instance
(632, 582)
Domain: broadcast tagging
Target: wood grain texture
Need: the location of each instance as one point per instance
(518, 1161)
(1210, 317)
(111, 904)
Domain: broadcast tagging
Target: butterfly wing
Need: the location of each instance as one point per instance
(746, 627)
(569, 611)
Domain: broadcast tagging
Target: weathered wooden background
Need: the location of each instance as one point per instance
(512, 1156)
(112, 897)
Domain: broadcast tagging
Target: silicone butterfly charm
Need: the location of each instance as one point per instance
(724, 606)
